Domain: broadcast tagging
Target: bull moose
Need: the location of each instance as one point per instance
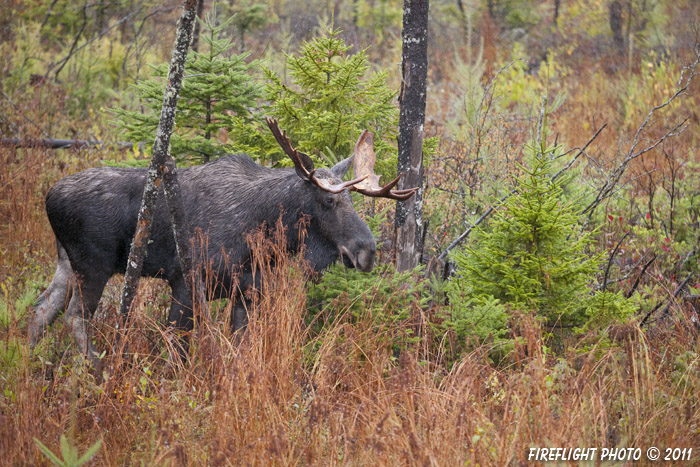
(93, 215)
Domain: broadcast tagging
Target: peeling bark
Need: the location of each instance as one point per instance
(414, 70)
(162, 168)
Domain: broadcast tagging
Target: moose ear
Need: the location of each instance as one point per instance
(340, 169)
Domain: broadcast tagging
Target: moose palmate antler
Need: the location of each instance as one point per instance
(363, 167)
(365, 182)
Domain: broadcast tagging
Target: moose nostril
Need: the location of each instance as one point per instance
(365, 260)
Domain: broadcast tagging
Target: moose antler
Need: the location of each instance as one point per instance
(303, 163)
(365, 182)
(363, 166)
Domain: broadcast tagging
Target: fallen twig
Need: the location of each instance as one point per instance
(53, 143)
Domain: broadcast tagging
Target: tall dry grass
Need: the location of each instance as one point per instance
(280, 395)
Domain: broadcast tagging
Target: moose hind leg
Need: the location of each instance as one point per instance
(84, 301)
(53, 300)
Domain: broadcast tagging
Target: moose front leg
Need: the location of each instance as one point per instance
(239, 315)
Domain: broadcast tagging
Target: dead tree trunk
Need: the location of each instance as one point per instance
(615, 17)
(197, 26)
(414, 73)
(162, 171)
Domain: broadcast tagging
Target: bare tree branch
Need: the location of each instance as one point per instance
(90, 41)
(580, 151)
(678, 290)
(75, 41)
(610, 260)
(441, 257)
(684, 82)
(670, 302)
(48, 14)
(639, 278)
(137, 34)
(477, 115)
(466, 233)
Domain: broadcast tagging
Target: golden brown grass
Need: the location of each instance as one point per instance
(271, 400)
(286, 397)
(344, 396)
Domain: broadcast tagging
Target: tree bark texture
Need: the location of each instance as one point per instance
(414, 71)
(197, 26)
(163, 167)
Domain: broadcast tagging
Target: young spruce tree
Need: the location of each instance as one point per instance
(332, 99)
(533, 258)
(217, 107)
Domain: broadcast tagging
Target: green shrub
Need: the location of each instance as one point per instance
(332, 100)
(383, 296)
(217, 106)
(533, 258)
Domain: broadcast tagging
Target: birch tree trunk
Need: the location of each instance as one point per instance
(162, 171)
(414, 71)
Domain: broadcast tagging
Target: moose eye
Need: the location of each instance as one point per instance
(329, 201)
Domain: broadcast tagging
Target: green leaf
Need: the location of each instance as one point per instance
(68, 451)
(90, 453)
(47, 452)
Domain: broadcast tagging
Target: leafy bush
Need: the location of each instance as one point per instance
(383, 296)
(382, 292)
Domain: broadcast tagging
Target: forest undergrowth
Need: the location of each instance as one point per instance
(289, 394)
(427, 367)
